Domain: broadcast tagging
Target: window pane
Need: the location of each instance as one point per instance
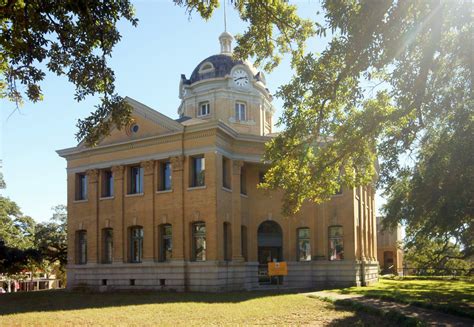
(304, 250)
(166, 243)
(108, 245)
(303, 233)
(199, 171)
(136, 244)
(199, 241)
(335, 231)
(336, 247)
(166, 176)
(200, 248)
(82, 247)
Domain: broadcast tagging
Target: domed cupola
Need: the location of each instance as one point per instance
(220, 65)
(222, 88)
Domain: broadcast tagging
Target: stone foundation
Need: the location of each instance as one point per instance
(214, 276)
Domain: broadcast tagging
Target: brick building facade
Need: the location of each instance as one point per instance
(174, 205)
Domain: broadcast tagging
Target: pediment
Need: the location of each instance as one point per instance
(146, 122)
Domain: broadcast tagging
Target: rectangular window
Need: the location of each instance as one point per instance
(336, 245)
(166, 242)
(240, 111)
(108, 243)
(81, 247)
(136, 244)
(199, 241)
(204, 109)
(107, 183)
(243, 240)
(81, 186)
(136, 180)
(227, 242)
(304, 245)
(243, 181)
(226, 166)
(164, 184)
(198, 169)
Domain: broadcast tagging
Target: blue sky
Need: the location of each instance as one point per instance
(147, 62)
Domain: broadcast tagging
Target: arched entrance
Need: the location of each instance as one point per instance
(270, 248)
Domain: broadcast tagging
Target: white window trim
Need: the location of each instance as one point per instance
(237, 115)
(199, 113)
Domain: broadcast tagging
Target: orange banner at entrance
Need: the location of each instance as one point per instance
(277, 269)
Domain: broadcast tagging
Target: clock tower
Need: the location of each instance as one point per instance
(225, 89)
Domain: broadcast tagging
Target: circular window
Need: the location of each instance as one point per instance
(134, 128)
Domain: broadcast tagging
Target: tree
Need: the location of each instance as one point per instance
(16, 230)
(51, 237)
(16, 239)
(436, 256)
(2, 181)
(394, 82)
(73, 38)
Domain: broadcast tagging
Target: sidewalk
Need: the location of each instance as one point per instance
(430, 317)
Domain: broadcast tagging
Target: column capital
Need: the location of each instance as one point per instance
(117, 171)
(149, 166)
(177, 162)
(92, 175)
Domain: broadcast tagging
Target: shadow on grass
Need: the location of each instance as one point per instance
(59, 300)
(448, 296)
(367, 316)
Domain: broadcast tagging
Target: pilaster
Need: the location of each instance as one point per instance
(93, 232)
(118, 217)
(178, 186)
(149, 238)
(236, 211)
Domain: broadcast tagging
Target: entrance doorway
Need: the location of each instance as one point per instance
(270, 248)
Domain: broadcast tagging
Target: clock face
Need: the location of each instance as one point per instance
(240, 78)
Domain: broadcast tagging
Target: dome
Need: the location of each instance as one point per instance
(219, 66)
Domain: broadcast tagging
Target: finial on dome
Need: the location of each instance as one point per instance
(226, 42)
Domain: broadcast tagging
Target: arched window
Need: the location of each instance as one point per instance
(166, 242)
(336, 244)
(108, 245)
(81, 247)
(136, 244)
(304, 245)
(199, 241)
(206, 68)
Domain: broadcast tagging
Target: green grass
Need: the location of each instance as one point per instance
(455, 296)
(48, 308)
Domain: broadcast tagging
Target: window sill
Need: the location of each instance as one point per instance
(242, 122)
(226, 189)
(107, 198)
(164, 191)
(192, 188)
(80, 201)
(133, 195)
(204, 116)
(244, 195)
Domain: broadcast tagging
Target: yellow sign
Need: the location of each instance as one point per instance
(277, 269)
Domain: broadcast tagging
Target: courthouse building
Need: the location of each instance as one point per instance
(173, 204)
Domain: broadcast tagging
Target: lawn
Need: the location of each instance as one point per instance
(58, 308)
(455, 296)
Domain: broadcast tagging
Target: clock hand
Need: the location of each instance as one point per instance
(235, 80)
